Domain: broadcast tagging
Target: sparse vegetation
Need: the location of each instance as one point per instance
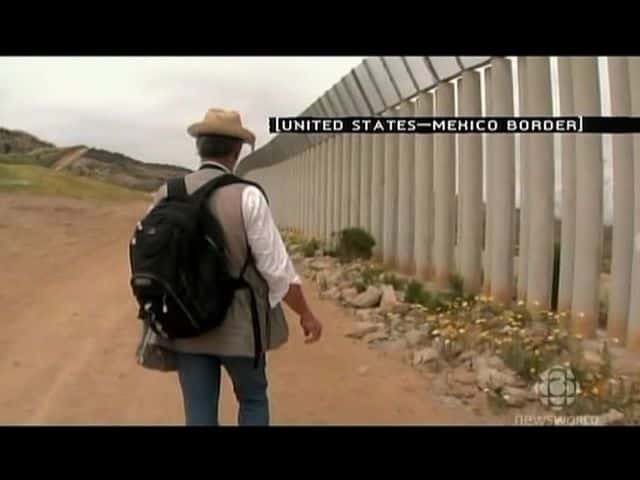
(526, 362)
(368, 276)
(416, 293)
(396, 282)
(40, 180)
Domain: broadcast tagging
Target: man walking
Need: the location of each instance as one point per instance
(251, 236)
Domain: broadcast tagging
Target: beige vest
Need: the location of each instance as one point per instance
(235, 336)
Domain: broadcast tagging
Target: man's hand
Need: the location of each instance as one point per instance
(311, 326)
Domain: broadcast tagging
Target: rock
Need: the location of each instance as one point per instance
(459, 390)
(393, 346)
(377, 336)
(415, 317)
(394, 321)
(468, 355)
(361, 329)
(365, 313)
(494, 379)
(612, 416)
(496, 362)
(593, 358)
(517, 397)
(333, 278)
(363, 370)
(367, 299)
(370, 315)
(416, 337)
(388, 299)
(348, 294)
(400, 308)
(425, 355)
(463, 376)
(320, 263)
(353, 268)
(480, 404)
(344, 285)
(331, 294)
(481, 362)
(450, 401)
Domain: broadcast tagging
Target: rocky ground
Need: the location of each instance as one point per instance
(486, 357)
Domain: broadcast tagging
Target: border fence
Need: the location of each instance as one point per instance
(503, 211)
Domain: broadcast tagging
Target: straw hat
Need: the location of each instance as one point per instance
(218, 121)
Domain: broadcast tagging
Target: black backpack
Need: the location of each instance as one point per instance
(179, 271)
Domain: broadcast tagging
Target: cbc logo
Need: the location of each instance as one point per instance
(557, 388)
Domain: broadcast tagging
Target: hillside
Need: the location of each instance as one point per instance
(46, 181)
(122, 170)
(21, 148)
(15, 141)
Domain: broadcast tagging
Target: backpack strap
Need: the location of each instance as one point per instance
(222, 181)
(200, 197)
(176, 189)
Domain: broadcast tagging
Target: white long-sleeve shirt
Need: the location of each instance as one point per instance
(267, 247)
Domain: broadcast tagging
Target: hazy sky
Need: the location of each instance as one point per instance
(142, 106)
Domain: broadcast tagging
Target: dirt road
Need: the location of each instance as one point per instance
(68, 335)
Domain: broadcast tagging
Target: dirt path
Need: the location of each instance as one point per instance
(69, 158)
(69, 334)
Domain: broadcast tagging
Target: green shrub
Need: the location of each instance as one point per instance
(309, 247)
(353, 243)
(456, 283)
(415, 293)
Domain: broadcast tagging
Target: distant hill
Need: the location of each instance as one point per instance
(122, 170)
(25, 149)
(15, 141)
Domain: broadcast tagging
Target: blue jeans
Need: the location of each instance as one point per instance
(199, 377)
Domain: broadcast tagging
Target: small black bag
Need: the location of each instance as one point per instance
(179, 271)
